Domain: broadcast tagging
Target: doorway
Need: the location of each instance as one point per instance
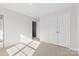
(34, 29)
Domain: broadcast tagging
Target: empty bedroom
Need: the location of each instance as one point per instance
(39, 29)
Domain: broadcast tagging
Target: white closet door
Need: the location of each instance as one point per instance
(68, 31)
(52, 30)
(64, 30)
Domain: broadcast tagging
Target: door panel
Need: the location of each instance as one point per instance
(59, 30)
(64, 30)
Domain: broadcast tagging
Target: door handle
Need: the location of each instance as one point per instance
(57, 32)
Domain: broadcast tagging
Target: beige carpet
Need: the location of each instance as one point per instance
(53, 50)
(43, 49)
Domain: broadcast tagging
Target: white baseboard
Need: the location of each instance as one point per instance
(74, 49)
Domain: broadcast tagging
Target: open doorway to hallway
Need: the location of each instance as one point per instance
(34, 29)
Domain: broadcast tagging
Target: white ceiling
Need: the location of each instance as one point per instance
(38, 9)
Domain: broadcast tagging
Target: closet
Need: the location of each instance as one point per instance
(59, 30)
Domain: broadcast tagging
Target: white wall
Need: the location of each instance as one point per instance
(77, 26)
(44, 29)
(44, 26)
(15, 24)
(73, 34)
